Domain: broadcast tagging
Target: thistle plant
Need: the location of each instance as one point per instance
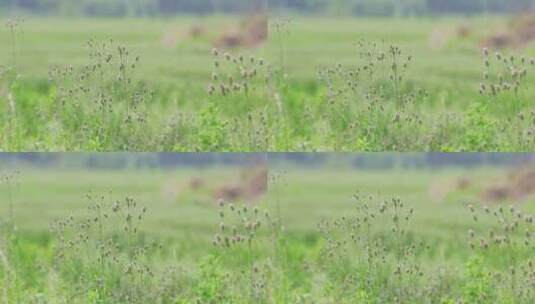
(358, 96)
(504, 80)
(365, 259)
(103, 252)
(529, 139)
(241, 81)
(504, 74)
(240, 231)
(101, 100)
(508, 240)
(235, 74)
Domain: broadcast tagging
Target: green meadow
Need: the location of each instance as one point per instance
(316, 84)
(325, 235)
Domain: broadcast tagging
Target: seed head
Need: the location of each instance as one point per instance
(471, 233)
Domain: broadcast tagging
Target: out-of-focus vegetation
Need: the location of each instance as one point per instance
(400, 7)
(63, 86)
(328, 234)
(355, 7)
(253, 83)
(359, 161)
(129, 7)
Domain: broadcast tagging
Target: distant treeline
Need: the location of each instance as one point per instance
(402, 7)
(118, 8)
(117, 161)
(386, 161)
(369, 161)
(339, 7)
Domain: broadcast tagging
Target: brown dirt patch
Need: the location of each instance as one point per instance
(520, 32)
(196, 183)
(251, 33)
(519, 185)
(251, 186)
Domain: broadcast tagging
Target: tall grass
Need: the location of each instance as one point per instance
(371, 103)
(371, 254)
(8, 241)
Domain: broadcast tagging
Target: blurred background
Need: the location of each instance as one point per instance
(173, 39)
(401, 7)
(311, 187)
(181, 191)
(128, 161)
(131, 8)
(444, 37)
(340, 7)
(349, 161)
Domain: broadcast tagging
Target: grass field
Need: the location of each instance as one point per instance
(302, 93)
(303, 252)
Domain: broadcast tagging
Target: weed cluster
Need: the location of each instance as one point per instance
(101, 100)
(371, 254)
(509, 240)
(504, 74)
(365, 261)
(239, 75)
(103, 261)
(241, 82)
(240, 235)
(372, 104)
(505, 82)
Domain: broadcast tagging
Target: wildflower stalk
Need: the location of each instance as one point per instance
(12, 25)
(9, 180)
(396, 78)
(280, 28)
(251, 269)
